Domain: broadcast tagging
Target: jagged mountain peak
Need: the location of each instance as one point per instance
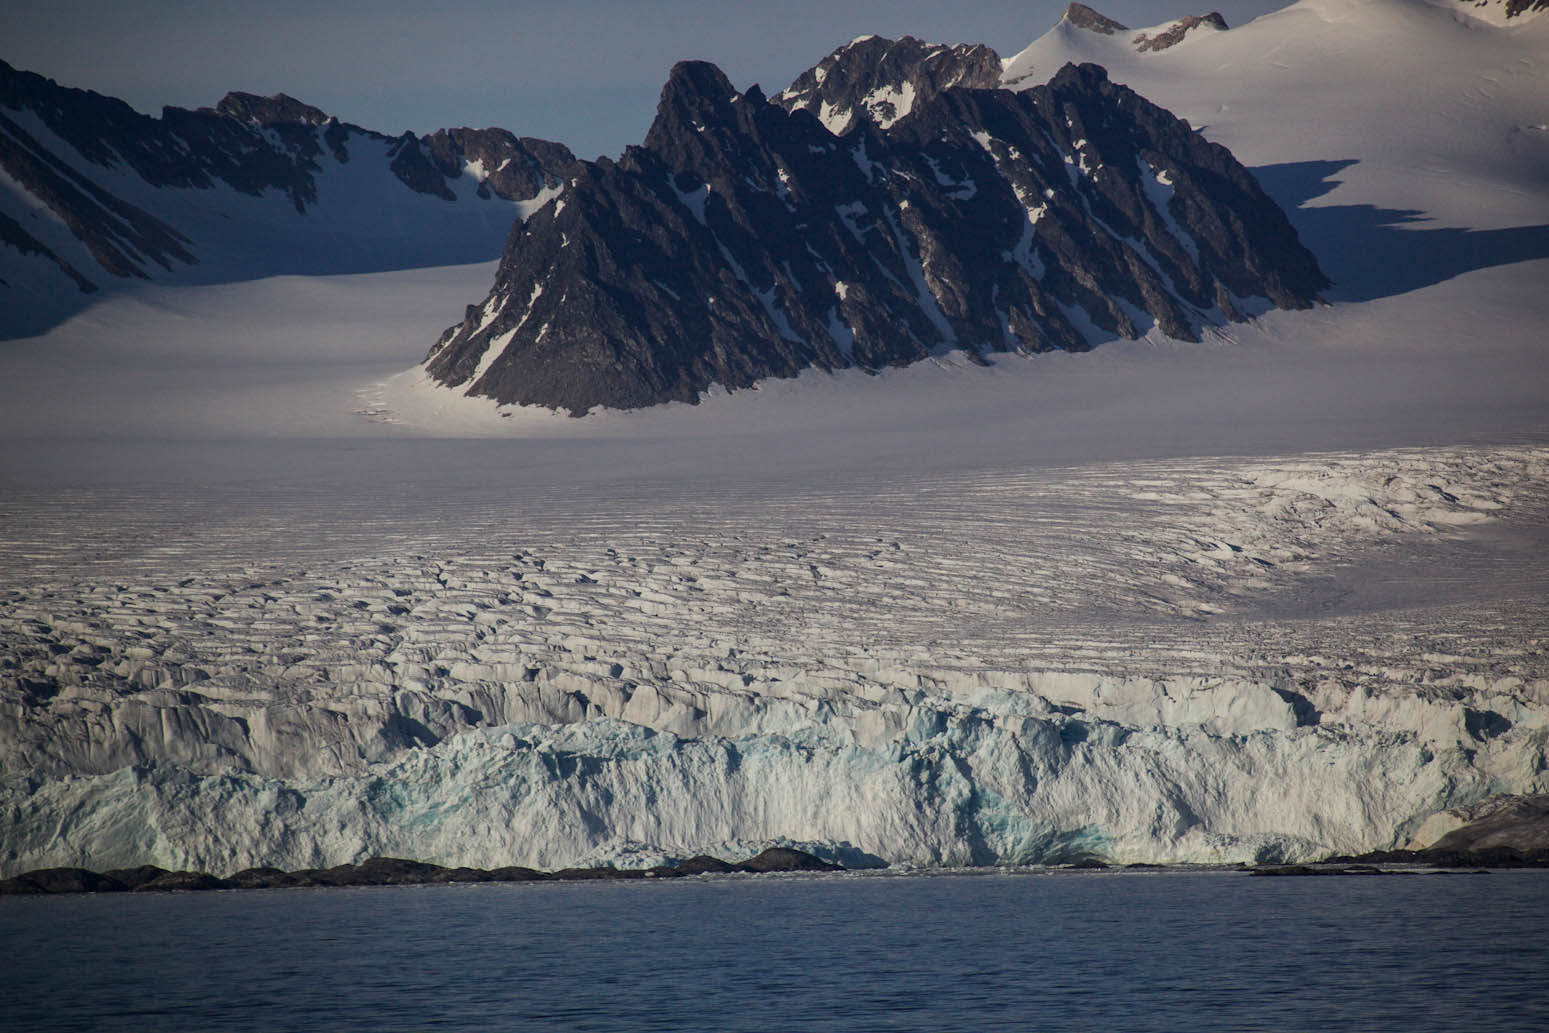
(694, 84)
(743, 241)
(880, 80)
(1084, 17)
(277, 107)
(697, 94)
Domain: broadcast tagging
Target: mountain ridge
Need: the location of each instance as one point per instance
(980, 221)
(104, 194)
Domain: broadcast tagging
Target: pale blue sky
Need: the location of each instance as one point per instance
(586, 72)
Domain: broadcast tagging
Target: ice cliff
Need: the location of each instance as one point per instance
(1247, 666)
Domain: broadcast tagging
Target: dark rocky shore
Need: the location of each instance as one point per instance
(1436, 857)
(385, 871)
(1449, 857)
(393, 871)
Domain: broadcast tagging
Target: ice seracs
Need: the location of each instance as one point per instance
(966, 681)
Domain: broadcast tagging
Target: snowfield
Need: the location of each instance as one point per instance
(267, 598)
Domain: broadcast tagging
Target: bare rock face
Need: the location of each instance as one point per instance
(1173, 34)
(60, 880)
(1504, 11)
(388, 871)
(515, 168)
(1083, 17)
(744, 241)
(183, 882)
(881, 80)
(277, 108)
(784, 859)
(123, 239)
(136, 876)
(704, 864)
(1514, 822)
(1169, 35)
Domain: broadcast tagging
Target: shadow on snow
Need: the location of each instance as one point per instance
(1369, 252)
(1372, 252)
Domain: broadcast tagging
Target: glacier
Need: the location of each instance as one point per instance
(970, 681)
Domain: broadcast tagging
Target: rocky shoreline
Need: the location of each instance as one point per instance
(1437, 858)
(385, 871)
(393, 871)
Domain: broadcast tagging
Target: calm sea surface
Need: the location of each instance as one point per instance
(1056, 951)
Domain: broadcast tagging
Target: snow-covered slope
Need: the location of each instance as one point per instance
(1428, 115)
(1277, 593)
(1085, 29)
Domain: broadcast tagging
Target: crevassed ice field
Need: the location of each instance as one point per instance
(1276, 594)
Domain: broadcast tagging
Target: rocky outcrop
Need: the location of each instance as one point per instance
(276, 109)
(1172, 34)
(1503, 822)
(1496, 832)
(389, 871)
(1445, 857)
(1083, 17)
(1503, 12)
(508, 166)
(61, 880)
(1307, 869)
(14, 235)
(124, 240)
(1161, 38)
(784, 859)
(137, 876)
(743, 241)
(880, 80)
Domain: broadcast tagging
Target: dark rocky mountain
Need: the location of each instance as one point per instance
(743, 240)
(882, 79)
(99, 192)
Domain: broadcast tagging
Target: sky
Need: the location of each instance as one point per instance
(586, 72)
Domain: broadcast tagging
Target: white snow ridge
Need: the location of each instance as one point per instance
(1274, 595)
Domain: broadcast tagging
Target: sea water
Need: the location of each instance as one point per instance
(972, 951)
